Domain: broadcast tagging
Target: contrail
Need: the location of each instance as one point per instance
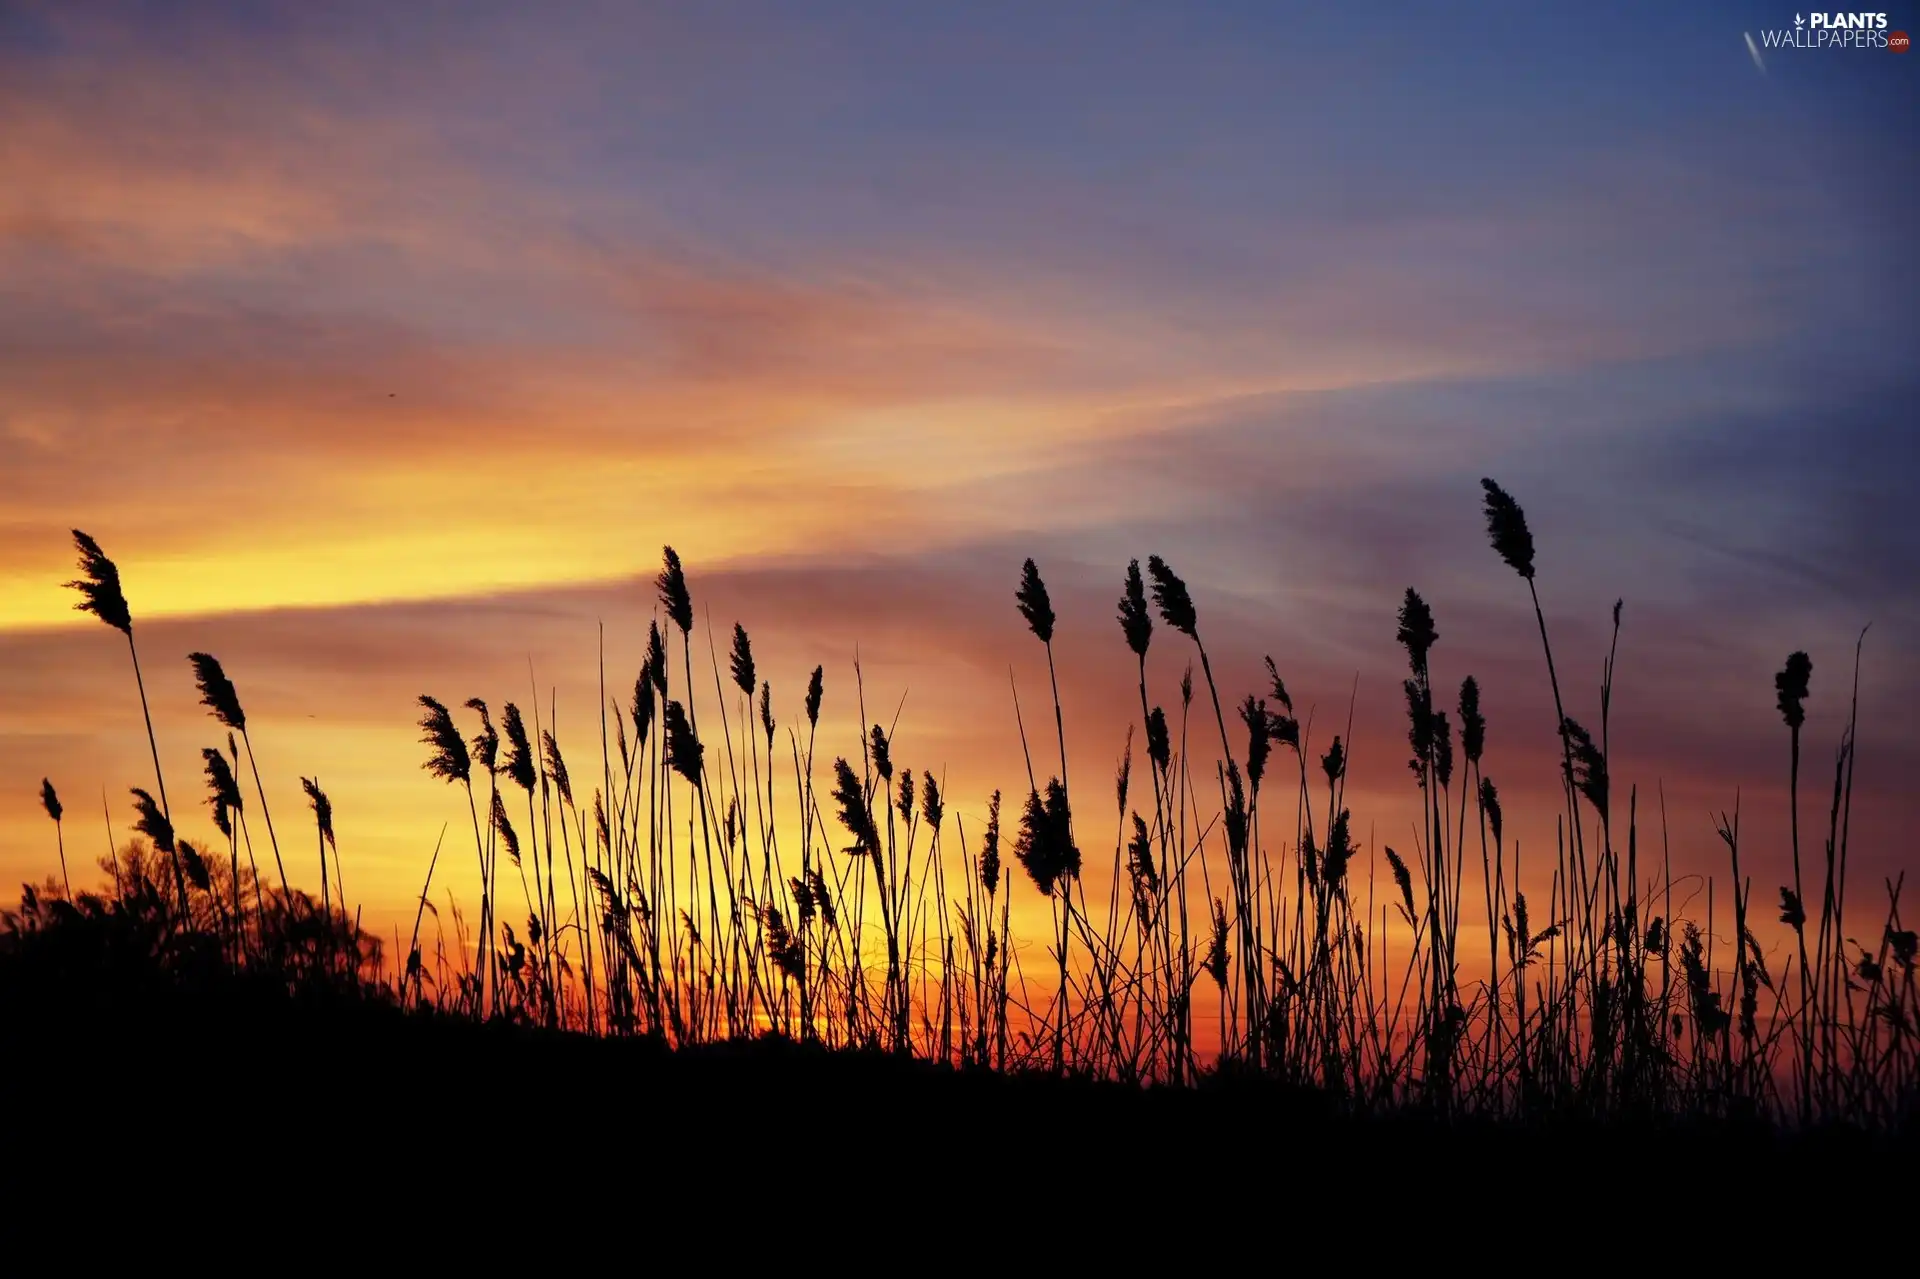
(1754, 49)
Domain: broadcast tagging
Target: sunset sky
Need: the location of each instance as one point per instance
(384, 346)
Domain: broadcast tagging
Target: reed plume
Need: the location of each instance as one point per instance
(217, 692)
(674, 597)
(1141, 870)
(1403, 879)
(101, 595)
(1513, 542)
(1416, 633)
(322, 809)
(1136, 623)
(1507, 529)
(222, 787)
(640, 709)
(655, 662)
(1473, 725)
(50, 801)
(151, 821)
(503, 827)
(990, 848)
(1490, 801)
(1159, 740)
(1171, 597)
(932, 806)
(447, 758)
(223, 796)
(1216, 961)
(1259, 739)
(741, 661)
(904, 804)
(557, 767)
(196, 868)
(1791, 687)
(1035, 606)
(520, 766)
(1045, 846)
(851, 797)
(684, 751)
(485, 746)
(323, 823)
(1586, 770)
(1279, 693)
(99, 586)
(222, 700)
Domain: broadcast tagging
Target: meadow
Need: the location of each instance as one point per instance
(723, 888)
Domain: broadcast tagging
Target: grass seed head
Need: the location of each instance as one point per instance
(1416, 631)
(322, 809)
(150, 821)
(1507, 529)
(486, 742)
(447, 756)
(640, 709)
(223, 789)
(1216, 963)
(1587, 770)
(217, 693)
(674, 597)
(520, 762)
(990, 848)
(1141, 869)
(932, 806)
(1334, 762)
(1279, 693)
(1473, 725)
(740, 663)
(816, 688)
(1045, 845)
(1791, 686)
(99, 586)
(1034, 604)
(557, 767)
(1170, 595)
(1136, 623)
(196, 867)
(851, 796)
(655, 662)
(1404, 879)
(1259, 739)
(509, 838)
(1159, 740)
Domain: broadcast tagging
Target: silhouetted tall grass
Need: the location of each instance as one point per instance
(667, 907)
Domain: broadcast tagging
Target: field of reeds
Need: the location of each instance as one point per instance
(710, 873)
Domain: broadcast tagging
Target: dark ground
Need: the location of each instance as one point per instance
(113, 1079)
